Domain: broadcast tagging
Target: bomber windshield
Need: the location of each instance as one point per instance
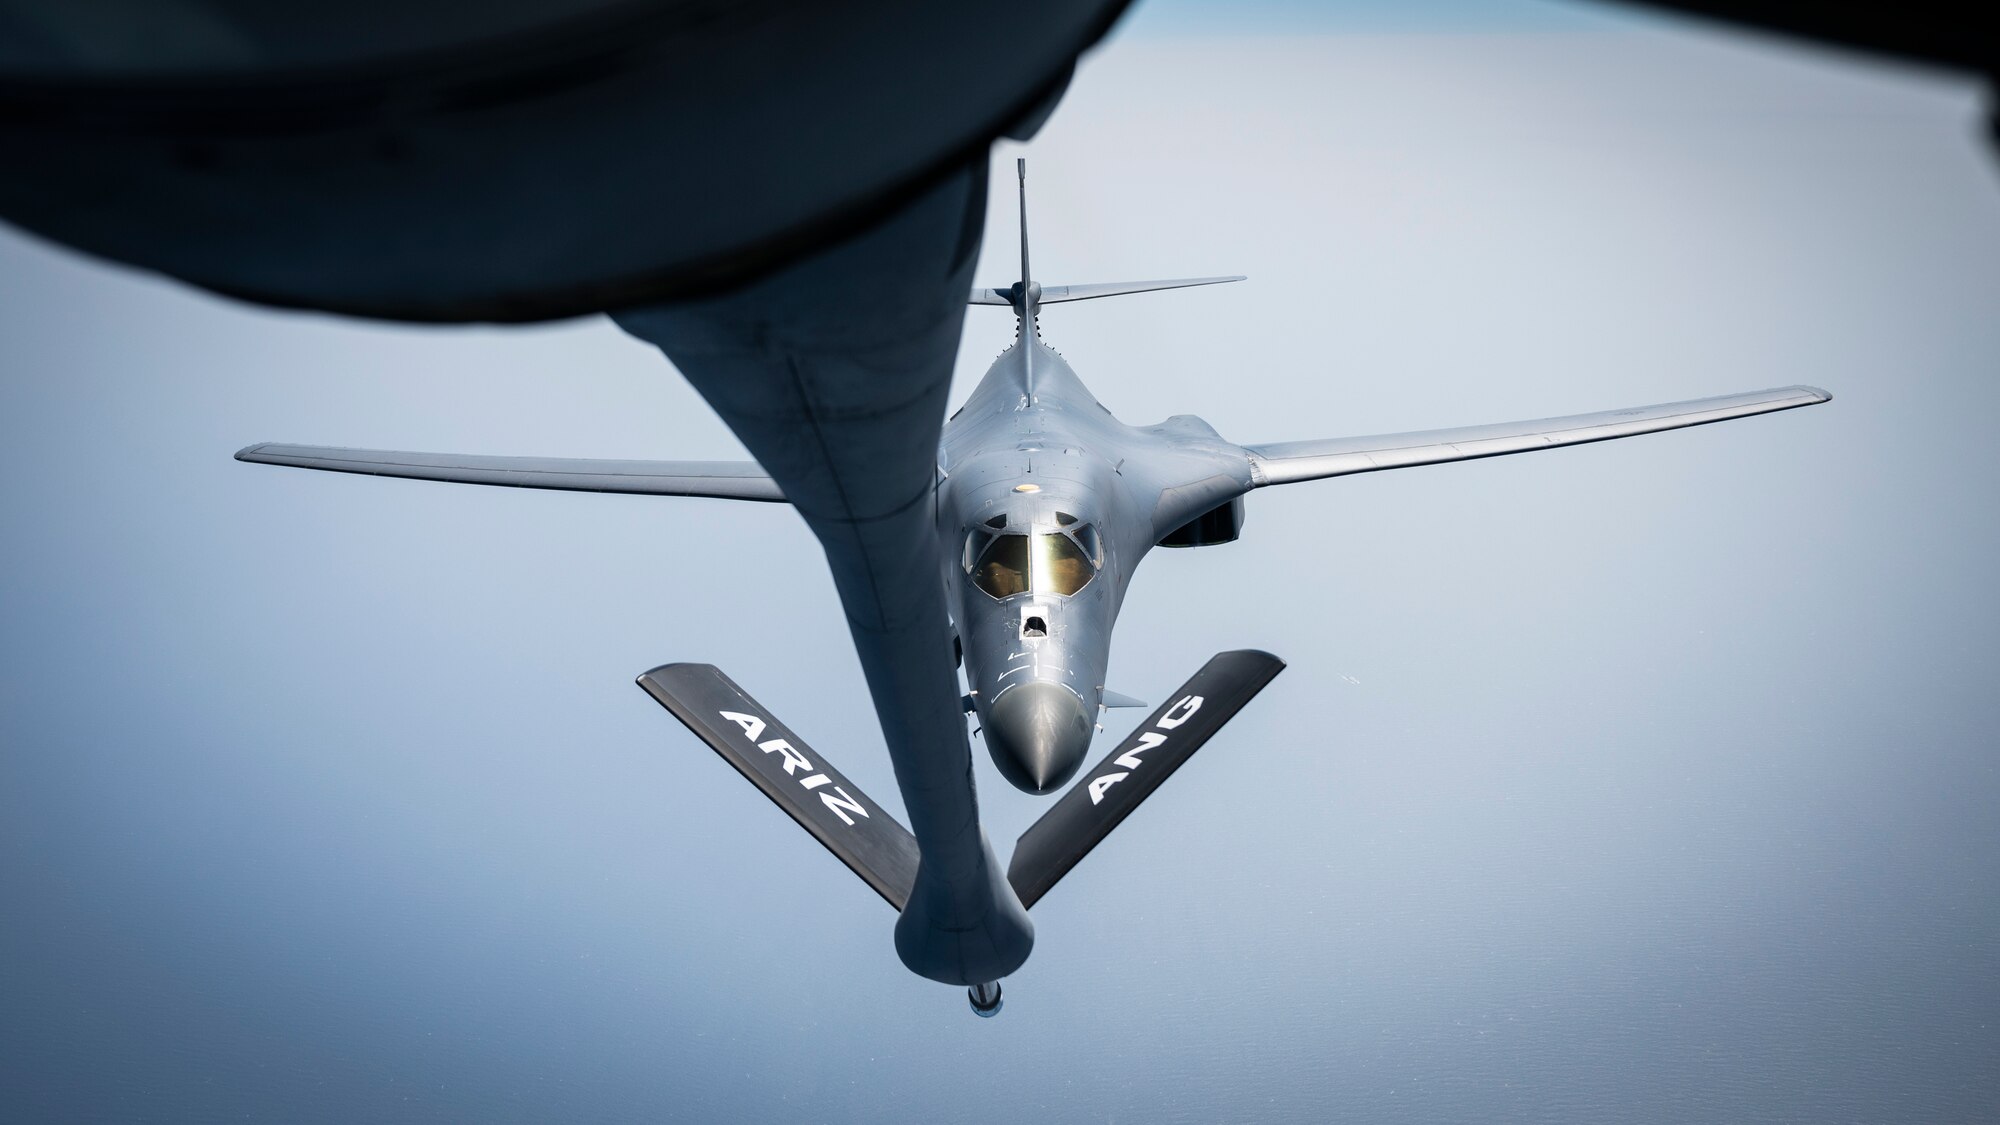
(1060, 567)
(1002, 568)
(1046, 562)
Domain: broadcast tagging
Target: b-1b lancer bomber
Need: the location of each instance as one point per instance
(1044, 505)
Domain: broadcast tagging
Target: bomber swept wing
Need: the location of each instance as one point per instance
(1291, 461)
(723, 480)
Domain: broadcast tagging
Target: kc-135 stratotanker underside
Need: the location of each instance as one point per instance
(1044, 504)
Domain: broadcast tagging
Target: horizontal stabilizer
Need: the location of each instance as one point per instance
(1115, 699)
(857, 830)
(1149, 755)
(1056, 294)
(1290, 461)
(723, 480)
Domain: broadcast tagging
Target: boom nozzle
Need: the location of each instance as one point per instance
(985, 999)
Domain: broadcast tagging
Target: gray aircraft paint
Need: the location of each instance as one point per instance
(1032, 424)
(1030, 447)
(1033, 451)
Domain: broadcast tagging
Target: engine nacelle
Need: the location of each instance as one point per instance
(1220, 524)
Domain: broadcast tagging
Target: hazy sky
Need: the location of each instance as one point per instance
(1650, 780)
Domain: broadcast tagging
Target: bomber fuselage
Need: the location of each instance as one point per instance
(1045, 504)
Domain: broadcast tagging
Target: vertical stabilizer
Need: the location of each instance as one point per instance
(1027, 296)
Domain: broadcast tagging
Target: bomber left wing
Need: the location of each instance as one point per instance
(725, 480)
(1289, 461)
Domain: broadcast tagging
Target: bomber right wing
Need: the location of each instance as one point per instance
(1290, 461)
(725, 480)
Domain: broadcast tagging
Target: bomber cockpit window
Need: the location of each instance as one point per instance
(1048, 562)
(1093, 547)
(1060, 565)
(1002, 566)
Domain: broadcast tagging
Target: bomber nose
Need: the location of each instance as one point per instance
(1037, 733)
